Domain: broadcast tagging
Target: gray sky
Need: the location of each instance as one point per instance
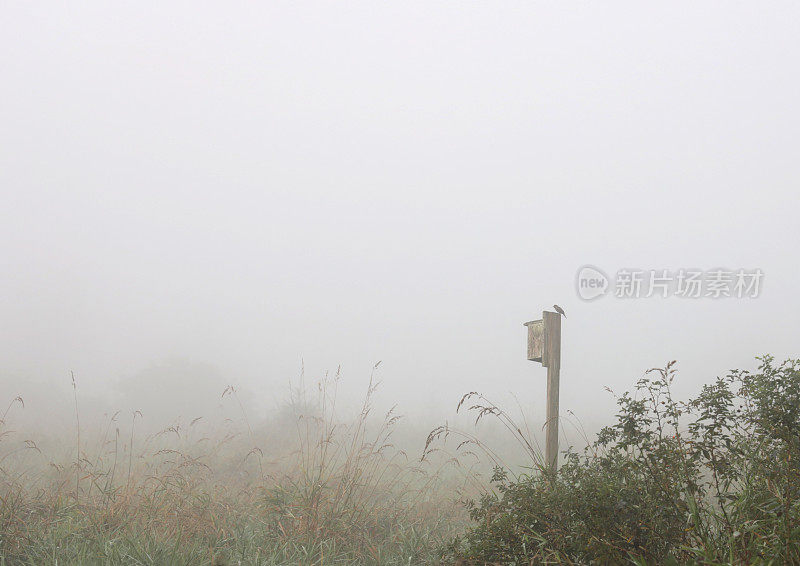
(249, 185)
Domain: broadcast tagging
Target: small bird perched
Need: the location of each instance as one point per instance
(560, 311)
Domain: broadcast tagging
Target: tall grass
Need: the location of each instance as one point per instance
(313, 488)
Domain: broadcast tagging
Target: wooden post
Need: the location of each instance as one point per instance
(552, 346)
(544, 346)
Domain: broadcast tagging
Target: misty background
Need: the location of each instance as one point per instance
(202, 194)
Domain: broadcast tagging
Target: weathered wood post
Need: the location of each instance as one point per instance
(544, 346)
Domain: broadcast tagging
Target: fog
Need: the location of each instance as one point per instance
(196, 195)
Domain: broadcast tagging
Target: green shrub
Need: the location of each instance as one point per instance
(712, 480)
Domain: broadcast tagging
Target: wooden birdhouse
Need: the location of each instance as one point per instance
(544, 337)
(535, 340)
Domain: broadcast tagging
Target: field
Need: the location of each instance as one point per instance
(713, 480)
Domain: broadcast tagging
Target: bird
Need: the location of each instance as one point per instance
(560, 311)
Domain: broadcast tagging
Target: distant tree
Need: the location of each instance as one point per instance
(174, 389)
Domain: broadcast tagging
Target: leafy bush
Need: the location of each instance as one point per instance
(712, 480)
